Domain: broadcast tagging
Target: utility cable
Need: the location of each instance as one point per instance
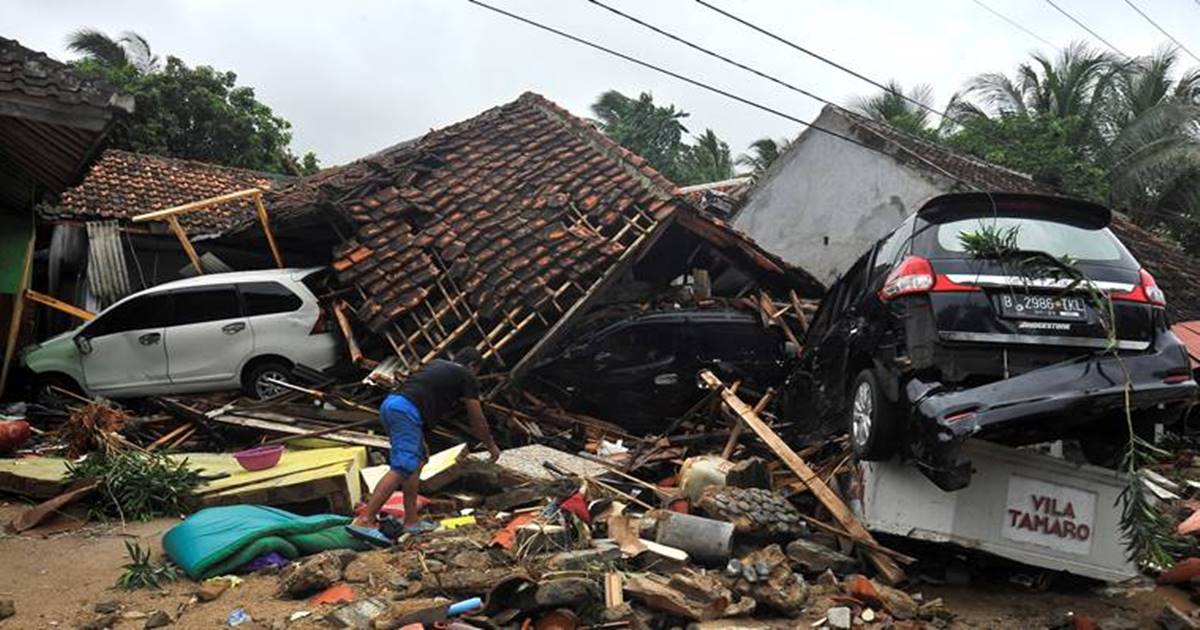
(1085, 27)
(1016, 24)
(1161, 30)
(710, 88)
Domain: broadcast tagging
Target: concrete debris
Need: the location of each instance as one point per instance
(684, 595)
(603, 554)
(360, 614)
(767, 578)
(839, 617)
(811, 557)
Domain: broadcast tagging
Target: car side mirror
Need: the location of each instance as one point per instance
(83, 344)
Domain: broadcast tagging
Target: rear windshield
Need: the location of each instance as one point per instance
(1034, 235)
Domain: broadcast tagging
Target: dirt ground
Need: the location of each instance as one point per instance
(57, 580)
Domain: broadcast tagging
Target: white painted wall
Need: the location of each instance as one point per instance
(825, 201)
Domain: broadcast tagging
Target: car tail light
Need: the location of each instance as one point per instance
(959, 417)
(323, 324)
(915, 274)
(1176, 379)
(1146, 291)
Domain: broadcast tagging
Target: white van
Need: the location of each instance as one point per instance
(208, 333)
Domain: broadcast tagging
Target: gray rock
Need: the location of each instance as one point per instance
(8, 608)
(583, 559)
(157, 619)
(106, 608)
(301, 579)
(839, 617)
(567, 593)
(359, 614)
(812, 557)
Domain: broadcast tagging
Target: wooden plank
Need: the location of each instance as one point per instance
(187, 244)
(18, 313)
(59, 305)
(736, 433)
(266, 225)
(614, 594)
(358, 439)
(339, 312)
(799, 311)
(832, 502)
(167, 213)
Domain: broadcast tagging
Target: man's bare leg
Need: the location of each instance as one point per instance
(383, 491)
(412, 488)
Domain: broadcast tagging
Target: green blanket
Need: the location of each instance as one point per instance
(218, 540)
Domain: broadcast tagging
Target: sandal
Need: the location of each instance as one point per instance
(420, 527)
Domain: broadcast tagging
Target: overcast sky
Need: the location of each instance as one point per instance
(353, 77)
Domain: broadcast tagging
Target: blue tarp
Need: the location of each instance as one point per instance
(218, 540)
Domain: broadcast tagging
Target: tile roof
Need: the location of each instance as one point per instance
(122, 184)
(495, 226)
(35, 74)
(1174, 270)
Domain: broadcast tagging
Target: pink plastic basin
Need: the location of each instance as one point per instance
(259, 458)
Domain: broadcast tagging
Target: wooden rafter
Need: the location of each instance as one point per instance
(171, 217)
(59, 305)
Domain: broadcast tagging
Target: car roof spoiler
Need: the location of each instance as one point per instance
(1077, 212)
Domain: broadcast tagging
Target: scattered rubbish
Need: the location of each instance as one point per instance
(705, 540)
(260, 458)
(237, 617)
(336, 594)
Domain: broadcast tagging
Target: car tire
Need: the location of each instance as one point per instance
(872, 419)
(44, 395)
(253, 384)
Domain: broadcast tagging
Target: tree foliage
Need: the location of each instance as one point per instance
(197, 113)
(657, 133)
(763, 152)
(1125, 132)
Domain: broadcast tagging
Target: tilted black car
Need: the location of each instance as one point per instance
(926, 341)
(642, 370)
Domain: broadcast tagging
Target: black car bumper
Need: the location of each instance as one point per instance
(1049, 403)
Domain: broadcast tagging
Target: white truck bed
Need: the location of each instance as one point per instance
(1022, 505)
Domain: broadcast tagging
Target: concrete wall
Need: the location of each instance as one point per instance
(825, 201)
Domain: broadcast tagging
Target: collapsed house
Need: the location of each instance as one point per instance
(501, 230)
(52, 123)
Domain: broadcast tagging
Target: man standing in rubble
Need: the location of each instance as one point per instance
(410, 414)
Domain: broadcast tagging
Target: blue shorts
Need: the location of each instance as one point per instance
(405, 432)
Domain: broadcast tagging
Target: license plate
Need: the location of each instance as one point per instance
(1063, 308)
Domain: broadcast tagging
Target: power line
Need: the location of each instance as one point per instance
(1161, 29)
(1018, 24)
(1085, 27)
(716, 90)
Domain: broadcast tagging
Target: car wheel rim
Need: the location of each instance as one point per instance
(861, 414)
(265, 388)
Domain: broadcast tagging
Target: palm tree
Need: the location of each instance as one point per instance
(1153, 153)
(763, 152)
(1075, 84)
(899, 109)
(649, 130)
(707, 161)
(130, 50)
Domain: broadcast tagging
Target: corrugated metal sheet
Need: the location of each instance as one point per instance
(107, 275)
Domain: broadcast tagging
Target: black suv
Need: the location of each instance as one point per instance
(642, 369)
(925, 342)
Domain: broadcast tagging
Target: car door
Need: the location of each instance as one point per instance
(123, 351)
(636, 371)
(278, 321)
(208, 339)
